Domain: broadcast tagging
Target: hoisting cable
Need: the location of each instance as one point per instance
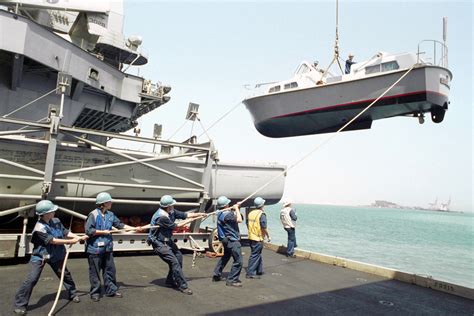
(205, 131)
(29, 103)
(336, 45)
(192, 128)
(323, 142)
(177, 130)
(38, 121)
(220, 119)
(209, 137)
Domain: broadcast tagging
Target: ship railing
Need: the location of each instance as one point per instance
(154, 89)
(150, 88)
(253, 90)
(432, 52)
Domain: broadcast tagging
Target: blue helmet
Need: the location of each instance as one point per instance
(167, 200)
(222, 201)
(258, 202)
(45, 207)
(102, 198)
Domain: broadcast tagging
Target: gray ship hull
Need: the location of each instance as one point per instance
(326, 108)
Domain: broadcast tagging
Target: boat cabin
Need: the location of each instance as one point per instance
(307, 75)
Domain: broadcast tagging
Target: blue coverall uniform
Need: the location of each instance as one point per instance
(163, 245)
(45, 252)
(229, 235)
(99, 250)
(349, 63)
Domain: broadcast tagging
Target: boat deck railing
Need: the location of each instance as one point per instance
(432, 52)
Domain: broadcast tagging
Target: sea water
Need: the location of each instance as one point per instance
(437, 244)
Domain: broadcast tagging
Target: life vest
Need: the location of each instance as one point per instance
(285, 218)
(220, 224)
(101, 243)
(52, 252)
(156, 234)
(229, 230)
(254, 228)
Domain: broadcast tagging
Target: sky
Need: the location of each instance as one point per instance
(208, 51)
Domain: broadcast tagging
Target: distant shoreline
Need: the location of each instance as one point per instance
(395, 207)
(413, 208)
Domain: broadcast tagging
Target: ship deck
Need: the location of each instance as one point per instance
(289, 286)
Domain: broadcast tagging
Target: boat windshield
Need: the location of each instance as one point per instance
(302, 69)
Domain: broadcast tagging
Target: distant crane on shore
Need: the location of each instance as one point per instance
(443, 207)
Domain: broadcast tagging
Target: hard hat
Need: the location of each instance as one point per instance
(258, 202)
(351, 55)
(286, 203)
(45, 207)
(167, 200)
(222, 201)
(102, 198)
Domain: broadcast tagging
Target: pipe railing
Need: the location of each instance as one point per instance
(439, 53)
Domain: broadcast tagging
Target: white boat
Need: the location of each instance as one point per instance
(316, 101)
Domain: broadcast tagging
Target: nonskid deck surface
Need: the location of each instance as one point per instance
(289, 287)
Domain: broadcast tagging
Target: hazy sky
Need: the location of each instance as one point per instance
(207, 52)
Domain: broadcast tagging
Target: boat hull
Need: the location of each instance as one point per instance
(236, 181)
(326, 108)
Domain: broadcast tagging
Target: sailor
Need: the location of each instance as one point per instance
(257, 229)
(48, 237)
(161, 239)
(99, 247)
(288, 220)
(349, 63)
(228, 232)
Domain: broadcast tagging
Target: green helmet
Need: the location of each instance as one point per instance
(102, 198)
(45, 207)
(167, 200)
(222, 201)
(258, 202)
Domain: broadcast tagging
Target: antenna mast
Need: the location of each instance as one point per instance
(445, 36)
(336, 44)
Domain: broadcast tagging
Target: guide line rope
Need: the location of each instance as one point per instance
(51, 312)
